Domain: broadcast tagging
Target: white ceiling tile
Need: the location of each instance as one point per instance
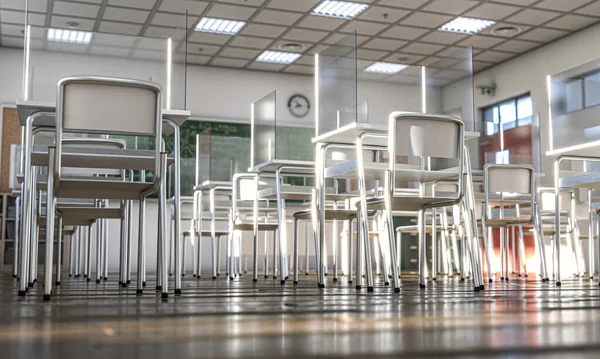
(295, 5)
(225, 11)
(543, 35)
(119, 28)
(112, 51)
(320, 23)
(18, 17)
(263, 66)
(305, 35)
(125, 15)
(180, 6)
(277, 17)
(69, 48)
(252, 42)
(207, 38)
(533, 17)
(12, 30)
(572, 22)
(112, 40)
(309, 59)
(453, 7)
(139, 4)
(561, 5)
(592, 9)
(422, 49)
(492, 11)
(75, 9)
(158, 31)
(404, 32)
(517, 2)
(263, 30)
(442, 37)
(480, 65)
(494, 56)
(372, 55)
(334, 38)
(407, 4)
(197, 59)
(61, 22)
(384, 44)
(152, 44)
(363, 27)
(148, 55)
(244, 2)
(299, 69)
(481, 41)
(203, 49)
(424, 19)
(6, 41)
(383, 14)
(165, 19)
(34, 5)
(225, 62)
(518, 46)
(239, 53)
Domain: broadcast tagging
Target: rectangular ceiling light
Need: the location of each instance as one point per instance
(467, 25)
(278, 57)
(69, 36)
(385, 68)
(219, 26)
(340, 9)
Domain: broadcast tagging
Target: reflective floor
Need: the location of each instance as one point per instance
(242, 319)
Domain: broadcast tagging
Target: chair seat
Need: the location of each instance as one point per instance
(407, 203)
(428, 228)
(262, 227)
(510, 221)
(330, 215)
(82, 216)
(102, 189)
(207, 233)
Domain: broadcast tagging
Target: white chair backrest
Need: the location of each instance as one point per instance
(509, 179)
(547, 200)
(109, 106)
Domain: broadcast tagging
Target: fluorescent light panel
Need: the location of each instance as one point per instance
(385, 68)
(219, 26)
(278, 57)
(340, 9)
(467, 25)
(69, 36)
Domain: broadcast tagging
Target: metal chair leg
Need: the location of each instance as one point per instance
(141, 246)
(59, 251)
(295, 250)
(50, 203)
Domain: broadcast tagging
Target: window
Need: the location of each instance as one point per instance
(574, 90)
(502, 157)
(513, 113)
(591, 89)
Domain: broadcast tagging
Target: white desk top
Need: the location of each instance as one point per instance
(208, 185)
(274, 165)
(349, 133)
(590, 149)
(28, 108)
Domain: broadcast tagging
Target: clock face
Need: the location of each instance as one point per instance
(299, 105)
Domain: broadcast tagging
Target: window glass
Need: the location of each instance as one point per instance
(508, 115)
(502, 157)
(574, 95)
(592, 90)
(491, 119)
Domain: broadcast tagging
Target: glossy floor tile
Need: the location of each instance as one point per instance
(242, 319)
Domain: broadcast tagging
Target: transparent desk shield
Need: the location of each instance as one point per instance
(336, 86)
(449, 87)
(574, 111)
(51, 54)
(219, 157)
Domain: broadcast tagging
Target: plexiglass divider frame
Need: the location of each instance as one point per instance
(574, 110)
(51, 54)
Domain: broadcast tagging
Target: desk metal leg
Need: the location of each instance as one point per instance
(141, 246)
(17, 242)
(99, 251)
(59, 251)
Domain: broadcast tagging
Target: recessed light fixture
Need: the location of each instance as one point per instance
(385, 68)
(467, 25)
(219, 26)
(340, 9)
(72, 24)
(278, 57)
(291, 46)
(69, 36)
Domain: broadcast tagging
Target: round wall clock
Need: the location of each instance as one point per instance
(299, 105)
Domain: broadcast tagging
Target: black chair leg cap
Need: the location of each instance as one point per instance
(558, 284)
(77, 275)
(274, 277)
(98, 281)
(477, 289)
(30, 285)
(240, 275)
(195, 276)
(105, 279)
(422, 286)
(214, 278)
(501, 278)
(56, 283)
(462, 279)
(335, 279)
(545, 280)
(386, 283)
(143, 284)
(482, 287)
(178, 291)
(358, 287)
(85, 276)
(47, 297)
(14, 276)
(321, 285)
(282, 282)
(89, 279)
(434, 279)
(266, 276)
(255, 280)
(70, 275)
(22, 293)
(306, 273)
(158, 287)
(164, 295)
(295, 282)
(183, 274)
(128, 282)
(139, 291)
(370, 289)
(123, 285)
(396, 290)
(349, 282)
(230, 278)
(490, 280)
(506, 279)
